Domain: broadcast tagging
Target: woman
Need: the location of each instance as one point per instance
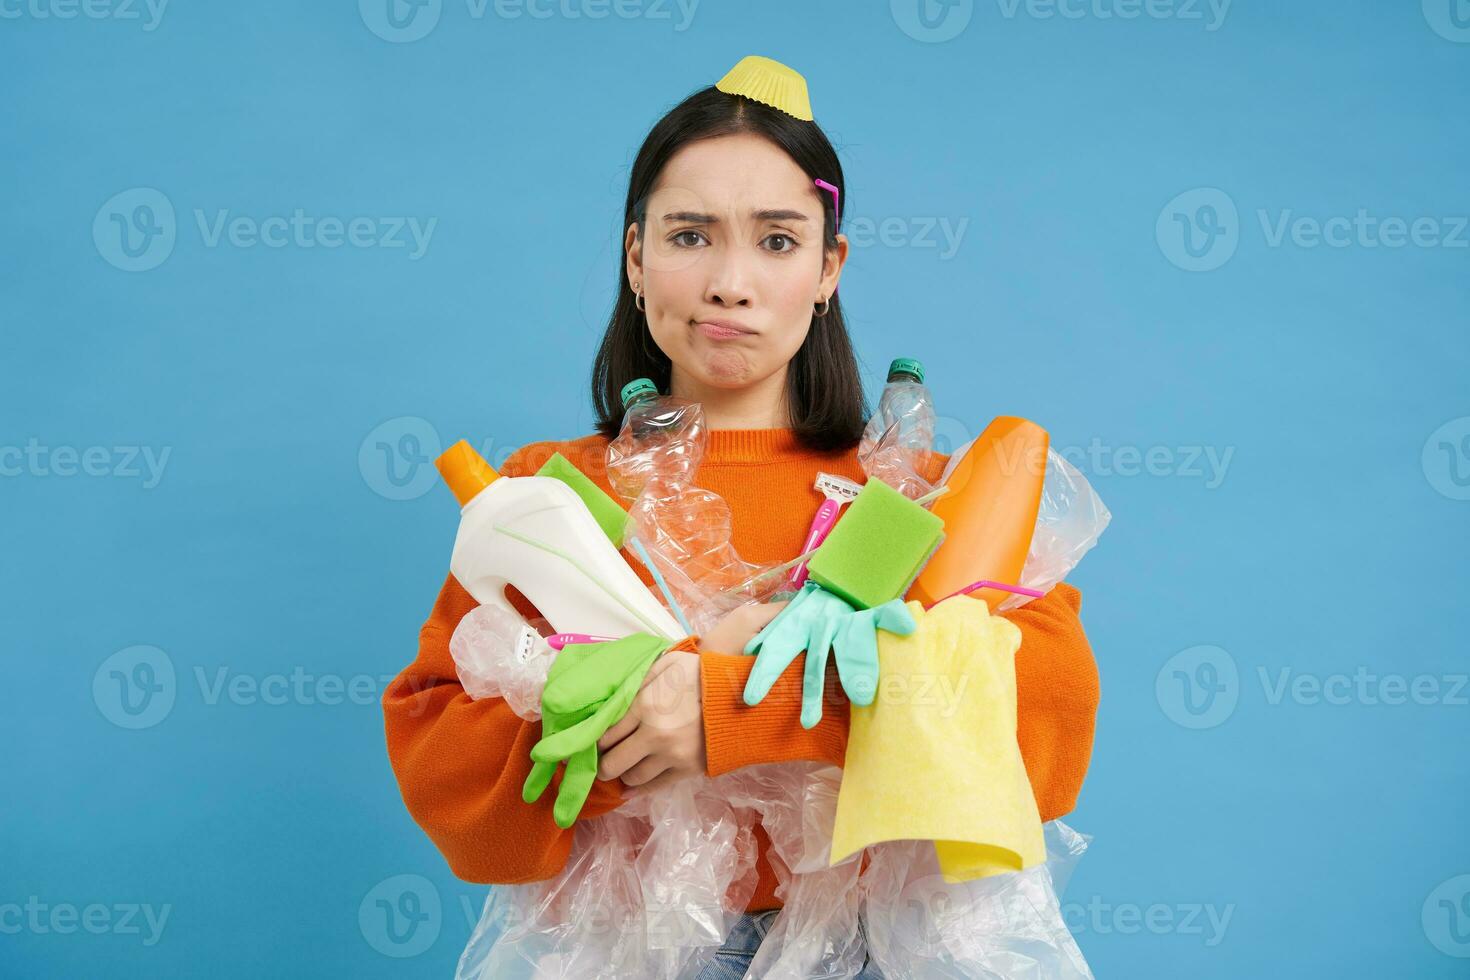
(727, 297)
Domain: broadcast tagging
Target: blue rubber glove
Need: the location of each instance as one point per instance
(820, 623)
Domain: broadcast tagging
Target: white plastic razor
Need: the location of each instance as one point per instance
(838, 491)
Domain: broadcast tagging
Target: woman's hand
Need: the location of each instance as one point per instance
(661, 738)
(739, 627)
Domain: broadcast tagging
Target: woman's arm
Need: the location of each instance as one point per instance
(1056, 706)
(461, 762)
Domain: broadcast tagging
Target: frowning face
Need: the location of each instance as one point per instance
(731, 262)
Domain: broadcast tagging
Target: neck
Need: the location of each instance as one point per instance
(761, 405)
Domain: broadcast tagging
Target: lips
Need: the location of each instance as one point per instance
(723, 330)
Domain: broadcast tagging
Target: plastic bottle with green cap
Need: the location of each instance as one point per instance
(898, 439)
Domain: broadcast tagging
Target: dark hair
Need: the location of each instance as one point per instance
(823, 385)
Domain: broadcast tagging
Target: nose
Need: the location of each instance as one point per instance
(730, 281)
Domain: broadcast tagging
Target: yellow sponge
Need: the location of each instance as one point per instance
(877, 548)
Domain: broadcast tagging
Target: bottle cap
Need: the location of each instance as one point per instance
(465, 471)
(635, 390)
(906, 365)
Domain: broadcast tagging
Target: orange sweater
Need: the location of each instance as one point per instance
(460, 763)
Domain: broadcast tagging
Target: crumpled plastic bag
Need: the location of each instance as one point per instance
(652, 888)
(496, 655)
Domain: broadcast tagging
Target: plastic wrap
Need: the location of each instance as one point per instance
(684, 529)
(651, 889)
(897, 441)
(496, 655)
(1071, 518)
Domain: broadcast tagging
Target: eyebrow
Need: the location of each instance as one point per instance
(768, 214)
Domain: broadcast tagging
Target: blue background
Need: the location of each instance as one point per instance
(272, 541)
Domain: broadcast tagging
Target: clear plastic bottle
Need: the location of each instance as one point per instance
(899, 438)
(684, 529)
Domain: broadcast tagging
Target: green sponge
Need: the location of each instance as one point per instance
(877, 548)
(609, 516)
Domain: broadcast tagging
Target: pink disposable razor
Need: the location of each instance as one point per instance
(559, 640)
(838, 491)
(987, 584)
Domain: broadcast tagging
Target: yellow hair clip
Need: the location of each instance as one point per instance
(768, 81)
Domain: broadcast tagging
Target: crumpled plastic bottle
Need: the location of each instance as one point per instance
(684, 529)
(898, 439)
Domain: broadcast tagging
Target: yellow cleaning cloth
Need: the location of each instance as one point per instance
(934, 757)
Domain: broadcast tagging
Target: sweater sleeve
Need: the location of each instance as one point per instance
(1056, 706)
(461, 762)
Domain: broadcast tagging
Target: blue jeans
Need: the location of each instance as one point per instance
(733, 958)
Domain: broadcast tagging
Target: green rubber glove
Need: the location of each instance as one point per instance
(589, 688)
(821, 623)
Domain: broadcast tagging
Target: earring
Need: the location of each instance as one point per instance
(638, 297)
(826, 305)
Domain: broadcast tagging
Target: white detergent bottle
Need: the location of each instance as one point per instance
(535, 533)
